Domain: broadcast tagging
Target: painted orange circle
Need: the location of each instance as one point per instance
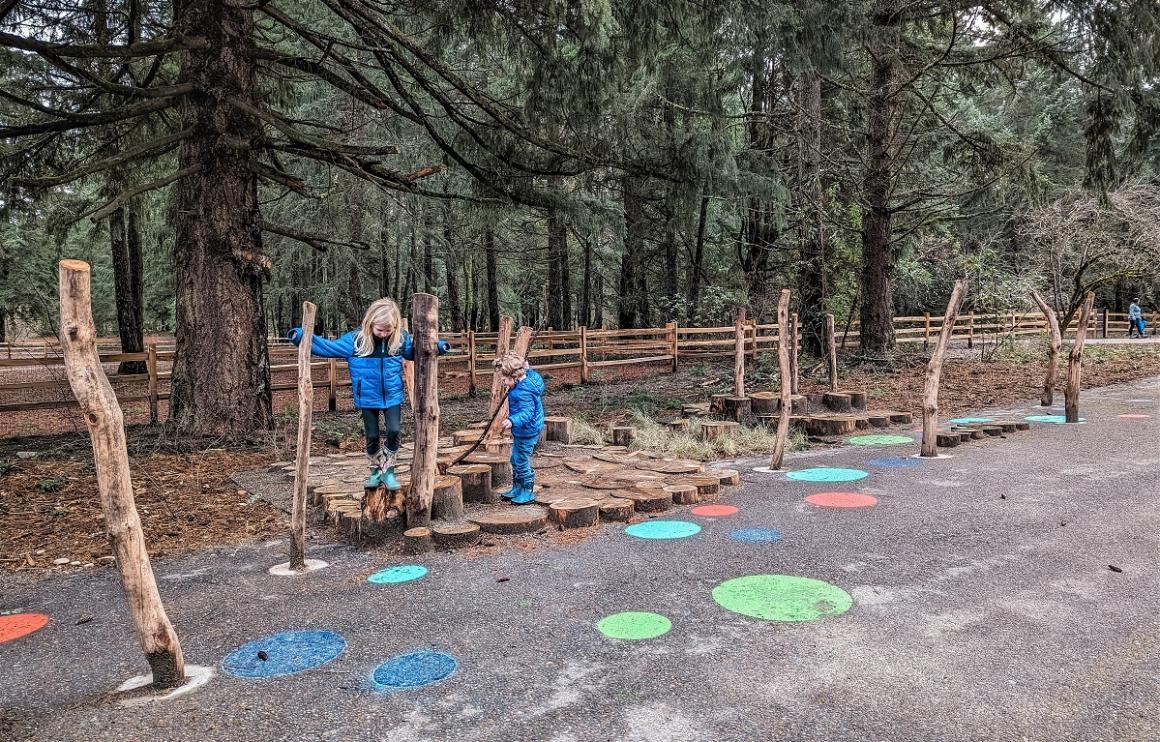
(20, 624)
(841, 500)
(714, 511)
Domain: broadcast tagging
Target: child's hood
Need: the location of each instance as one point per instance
(533, 382)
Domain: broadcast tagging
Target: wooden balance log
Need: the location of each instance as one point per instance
(476, 482)
(683, 494)
(725, 476)
(447, 499)
(736, 409)
(711, 430)
(649, 499)
(616, 509)
(558, 429)
(575, 512)
(507, 520)
(380, 502)
(456, 535)
(707, 485)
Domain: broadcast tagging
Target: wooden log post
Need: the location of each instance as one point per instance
(739, 354)
(522, 345)
(934, 373)
(583, 354)
(926, 330)
(1104, 323)
(1054, 344)
(832, 345)
(623, 435)
(151, 369)
(559, 429)
(305, 431)
(795, 351)
(425, 314)
(971, 331)
(331, 383)
(783, 368)
(471, 363)
(106, 424)
(1075, 362)
(674, 348)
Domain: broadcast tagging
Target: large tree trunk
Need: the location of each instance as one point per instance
(696, 267)
(878, 252)
(812, 290)
(492, 281)
(559, 280)
(634, 305)
(125, 244)
(586, 291)
(450, 266)
(221, 376)
(759, 230)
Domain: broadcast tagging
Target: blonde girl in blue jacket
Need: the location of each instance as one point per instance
(374, 354)
(525, 420)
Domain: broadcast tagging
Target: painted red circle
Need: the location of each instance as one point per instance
(714, 511)
(841, 500)
(20, 624)
(1134, 416)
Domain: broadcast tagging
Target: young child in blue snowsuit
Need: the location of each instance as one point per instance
(525, 420)
(375, 354)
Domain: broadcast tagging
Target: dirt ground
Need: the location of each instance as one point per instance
(50, 508)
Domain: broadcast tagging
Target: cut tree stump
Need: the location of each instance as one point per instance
(501, 468)
(649, 500)
(1023, 426)
(1008, 427)
(351, 525)
(683, 494)
(736, 408)
(380, 501)
(695, 410)
(711, 430)
(725, 476)
(857, 400)
(455, 535)
(678, 426)
(900, 418)
(575, 512)
(499, 447)
(763, 403)
(476, 479)
(706, 485)
(616, 509)
(837, 401)
(418, 540)
(830, 424)
(623, 435)
(948, 440)
(447, 499)
(993, 430)
(460, 437)
(550, 495)
(558, 429)
(878, 420)
(717, 403)
(506, 520)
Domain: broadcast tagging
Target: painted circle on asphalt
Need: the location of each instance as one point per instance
(19, 625)
(894, 462)
(634, 625)
(1134, 416)
(714, 511)
(286, 653)
(826, 474)
(663, 529)
(1052, 419)
(782, 597)
(756, 535)
(400, 573)
(971, 420)
(413, 670)
(879, 440)
(841, 500)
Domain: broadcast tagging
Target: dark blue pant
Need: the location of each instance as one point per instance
(391, 418)
(522, 460)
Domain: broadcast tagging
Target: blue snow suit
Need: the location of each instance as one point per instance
(526, 411)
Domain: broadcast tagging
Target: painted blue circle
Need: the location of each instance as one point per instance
(400, 573)
(413, 670)
(894, 462)
(663, 529)
(756, 535)
(971, 420)
(1053, 419)
(286, 653)
(826, 474)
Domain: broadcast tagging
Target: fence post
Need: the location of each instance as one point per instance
(971, 331)
(1104, 329)
(583, 354)
(753, 340)
(795, 349)
(332, 383)
(673, 348)
(151, 370)
(926, 330)
(471, 363)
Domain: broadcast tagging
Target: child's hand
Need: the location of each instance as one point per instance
(506, 424)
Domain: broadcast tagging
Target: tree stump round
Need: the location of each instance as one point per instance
(993, 430)
(575, 512)
(717, 403)
(418, 540)
(617, 509)
(455, 535)
(830, 424)
(857, 400)
(650, 500)
(725, 476)
(837, 401)
(558, 429)
(711, 430)
(623, 435)
(461, 437)
(501, 447)
(901, 418)
(447, 499)
(683, 494)
(948, 440)
(878, 420)
(549, 495)
(476, 482)
(501, 468)
(351, 525)
(736, 408)
(678, 426)
(505, 520)
(763, 403)
(707, 486)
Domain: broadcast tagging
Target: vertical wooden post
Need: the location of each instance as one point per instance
(1048, 396)
(471, 363)
(934, 373)
(674, 345)
(1075, 362)
(752, 340)
(832, 346)
(783, 367)
(332, 384)
(305, 429)
(151, 369)
(971, 331)
(425, 314)
(106, 424)
(521, 347)
(926, 330)
(795, 351)
(739, 354)
(1104, 333)
(502, 343)
(409, 372)
(583, 354)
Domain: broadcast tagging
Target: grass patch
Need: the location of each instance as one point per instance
(656, 438)
(586, 434)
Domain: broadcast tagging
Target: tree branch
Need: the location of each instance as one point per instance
(103, 51)
(316, 241)
(154, 147)
(100, 213)
(81, 121)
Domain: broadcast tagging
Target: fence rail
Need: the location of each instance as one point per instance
(583, 350)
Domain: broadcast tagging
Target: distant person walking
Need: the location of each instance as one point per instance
(1135, 319)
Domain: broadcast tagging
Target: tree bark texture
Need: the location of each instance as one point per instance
(305, 429)
(783, 369)
(1054, 344)
(934, 372)
(1075, 361)
(425, 320)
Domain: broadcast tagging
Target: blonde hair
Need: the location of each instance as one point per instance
(381, 312)
(510, 365)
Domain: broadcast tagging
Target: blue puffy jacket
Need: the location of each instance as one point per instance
(376, 380)
(526, 406)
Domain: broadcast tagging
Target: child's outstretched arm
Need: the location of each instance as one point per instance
(443, 347)
(343, 347)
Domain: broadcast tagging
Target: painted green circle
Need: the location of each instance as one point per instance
(880, 440)
(782, 597)
(634, 625)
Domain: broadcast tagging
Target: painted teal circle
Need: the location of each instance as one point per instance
(971, 420)
(663, 529)
(401, 573)
(1052, 419)
(879, 440)
(287, 653)
(413, 670)
(756, 535)
(827, 474)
